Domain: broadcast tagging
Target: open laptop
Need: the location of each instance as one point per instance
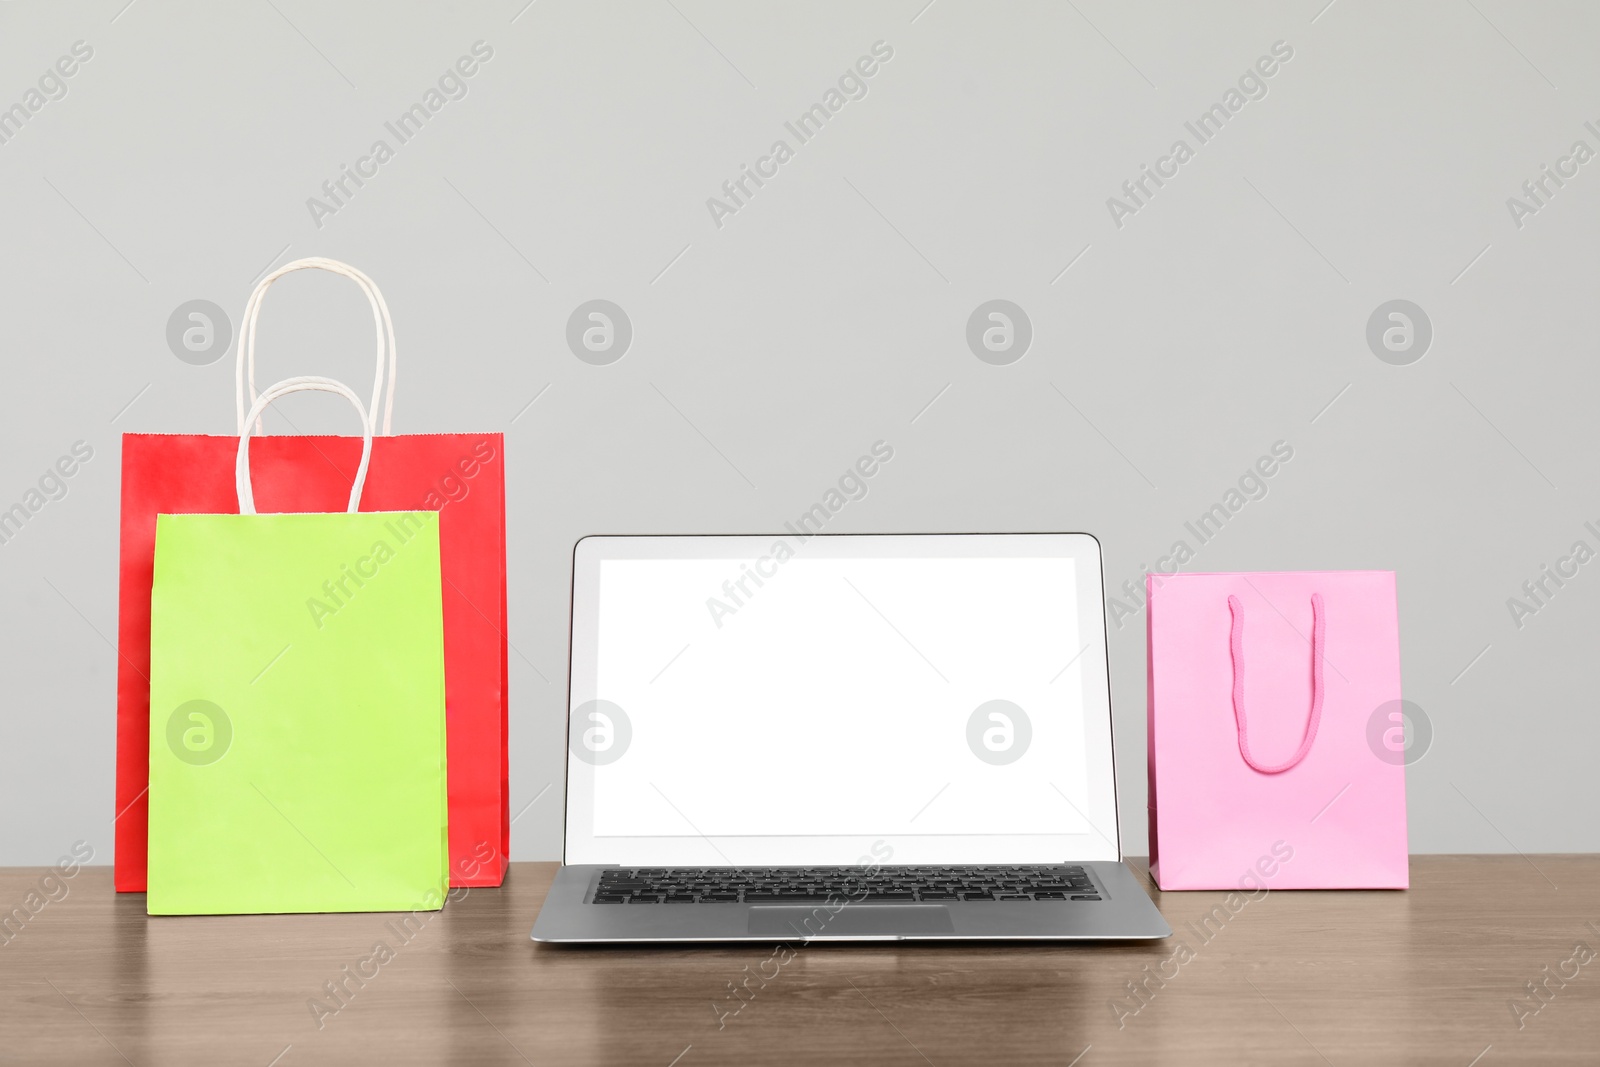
(841, 737)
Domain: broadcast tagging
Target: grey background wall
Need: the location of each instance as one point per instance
(1171, 344)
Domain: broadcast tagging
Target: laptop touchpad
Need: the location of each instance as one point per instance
(860, 920)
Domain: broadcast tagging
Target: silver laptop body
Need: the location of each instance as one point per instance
(803, 736)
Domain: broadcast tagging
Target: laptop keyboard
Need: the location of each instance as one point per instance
(774, 885)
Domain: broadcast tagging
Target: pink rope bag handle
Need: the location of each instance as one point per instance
(1236, 646)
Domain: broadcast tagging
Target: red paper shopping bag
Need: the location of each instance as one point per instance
(461, 476)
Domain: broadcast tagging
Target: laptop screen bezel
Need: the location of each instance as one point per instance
(591, 551)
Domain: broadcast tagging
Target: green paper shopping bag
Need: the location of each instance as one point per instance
(297, 729)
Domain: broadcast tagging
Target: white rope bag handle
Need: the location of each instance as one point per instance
(382, 329)
(308, 383)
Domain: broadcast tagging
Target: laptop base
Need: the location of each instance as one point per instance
(570, 916)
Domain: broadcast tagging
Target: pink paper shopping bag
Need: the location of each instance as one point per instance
(1266, 694)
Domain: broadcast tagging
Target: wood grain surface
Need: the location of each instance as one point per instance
(1433, 975)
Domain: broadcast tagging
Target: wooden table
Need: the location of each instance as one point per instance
(1425, 976)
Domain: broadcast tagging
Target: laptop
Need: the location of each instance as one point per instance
(844, 737)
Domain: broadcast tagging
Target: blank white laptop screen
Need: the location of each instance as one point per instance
(763, 700)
